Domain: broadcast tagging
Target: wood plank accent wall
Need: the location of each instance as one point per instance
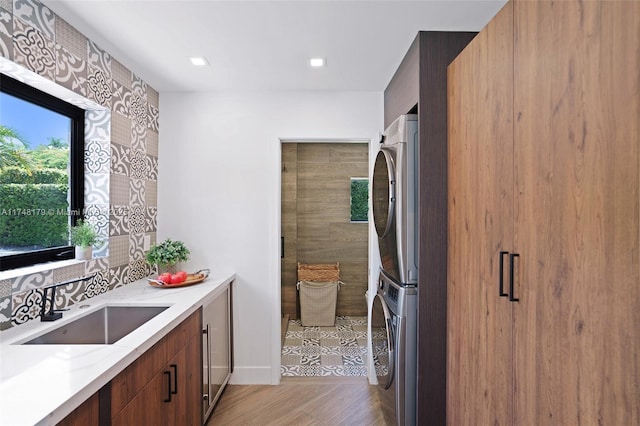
(289, 220)
(316, 219)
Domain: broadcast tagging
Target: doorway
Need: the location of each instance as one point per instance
(318, 225)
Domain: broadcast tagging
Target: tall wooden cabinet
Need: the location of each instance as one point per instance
(481, 226)
(544, 159)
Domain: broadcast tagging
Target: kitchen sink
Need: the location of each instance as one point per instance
(105, 326)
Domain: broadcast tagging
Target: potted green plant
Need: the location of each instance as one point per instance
(84, 237)
(167, 254)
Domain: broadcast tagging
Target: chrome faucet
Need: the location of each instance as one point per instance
(55, 314)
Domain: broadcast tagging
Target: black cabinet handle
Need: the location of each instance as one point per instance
(281, 247)
(175, 378)
(168, 398)
(501, 272)
(511, 276)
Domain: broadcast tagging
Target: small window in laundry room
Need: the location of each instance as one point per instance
(359, 199)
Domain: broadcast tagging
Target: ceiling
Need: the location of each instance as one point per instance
(265, 45)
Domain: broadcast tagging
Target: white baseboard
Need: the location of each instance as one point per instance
(251, 376)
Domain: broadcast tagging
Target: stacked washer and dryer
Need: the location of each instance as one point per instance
(394, 311)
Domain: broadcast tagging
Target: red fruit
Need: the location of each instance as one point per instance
(181, 275)
(177, 278)
(165, 278)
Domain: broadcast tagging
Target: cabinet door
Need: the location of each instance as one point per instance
(577, 99)
(479, 321)
(187, 401)
(171, 369)
(172, 397)
(126, 385)
(149, 406)
(219, 350)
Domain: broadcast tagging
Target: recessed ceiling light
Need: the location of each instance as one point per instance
(317, 62)
(199, 61)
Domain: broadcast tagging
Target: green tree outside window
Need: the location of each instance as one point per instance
(359, 199)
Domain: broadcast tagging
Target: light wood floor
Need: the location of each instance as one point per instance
(300, 401)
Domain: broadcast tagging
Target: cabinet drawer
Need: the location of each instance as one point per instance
(172, 396)
(126, 385)
(150, 405)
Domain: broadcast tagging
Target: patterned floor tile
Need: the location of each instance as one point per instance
(355, 370)
(294, 325)
(331, 359)
(288, 359)
(325, 351)
(292, 341)
(330, 350)
(330, 342)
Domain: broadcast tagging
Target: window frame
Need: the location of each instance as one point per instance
(358, 179)
(30, 94)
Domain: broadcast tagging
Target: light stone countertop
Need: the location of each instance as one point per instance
(42, 384)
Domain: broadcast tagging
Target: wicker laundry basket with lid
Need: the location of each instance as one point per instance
(318, 286)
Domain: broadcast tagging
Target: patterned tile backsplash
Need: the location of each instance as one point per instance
(71, 39)
(71, 71)
(6, 34)
(70, 272)
(26, 306)
(98, 58)
(97, 156)
(121, 155)
(5, 288)
(37, 15)
(98, 125)
(137, 192)
(31, 281)
(33, 50)
(98, 86)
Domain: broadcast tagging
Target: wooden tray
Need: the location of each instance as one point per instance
(195, 278)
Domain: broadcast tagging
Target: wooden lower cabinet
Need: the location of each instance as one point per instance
(167, 398)
(189, 407)
(86, 414)
(164, 385)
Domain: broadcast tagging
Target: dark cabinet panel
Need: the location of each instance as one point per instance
(421, 80)
(401, 95)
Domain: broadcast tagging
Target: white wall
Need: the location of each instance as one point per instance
(219, 191)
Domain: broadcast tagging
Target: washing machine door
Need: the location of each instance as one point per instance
(382, 342)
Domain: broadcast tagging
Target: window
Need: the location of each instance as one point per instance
(359, 199)
(41, 174)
